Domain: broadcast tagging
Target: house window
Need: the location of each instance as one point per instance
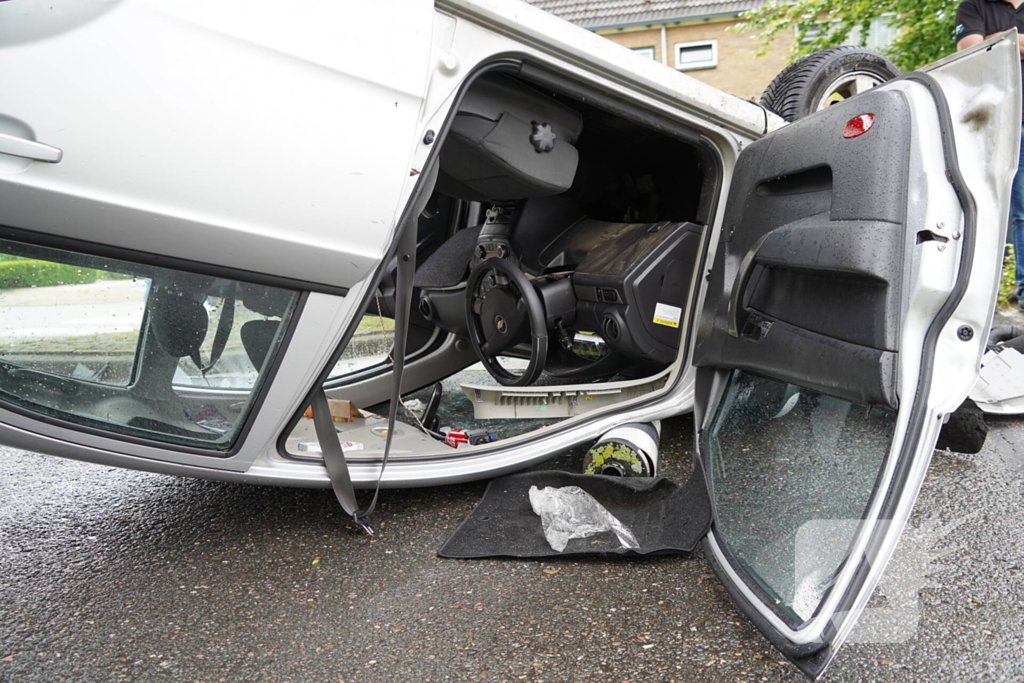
(881, 33)
(699, 54)
(811, 32)
(645, 51)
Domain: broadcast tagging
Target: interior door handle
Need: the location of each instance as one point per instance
(29, 149)
(736, 319)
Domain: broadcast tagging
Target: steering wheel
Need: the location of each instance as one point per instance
(503, 309)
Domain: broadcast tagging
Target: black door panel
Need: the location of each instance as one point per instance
(806, 283)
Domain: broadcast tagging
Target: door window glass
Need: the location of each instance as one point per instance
(135, 349)
(69, 320)
(370, 345)
(227, 364)
(792, 473)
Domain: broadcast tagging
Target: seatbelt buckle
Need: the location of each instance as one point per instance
(362, 520)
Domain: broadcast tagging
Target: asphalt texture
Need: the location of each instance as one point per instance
(113, 575)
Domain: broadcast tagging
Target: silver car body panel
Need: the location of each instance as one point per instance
(258, 137)
(193, 185)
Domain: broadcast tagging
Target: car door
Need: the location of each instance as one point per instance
(193, 200)
(848, 303)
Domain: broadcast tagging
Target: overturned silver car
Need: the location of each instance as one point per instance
(216, 220)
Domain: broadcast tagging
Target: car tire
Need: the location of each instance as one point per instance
(965, 431)
(825, 77)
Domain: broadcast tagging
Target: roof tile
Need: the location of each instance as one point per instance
(595, 14)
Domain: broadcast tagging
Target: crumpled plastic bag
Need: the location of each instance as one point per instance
(570, 512)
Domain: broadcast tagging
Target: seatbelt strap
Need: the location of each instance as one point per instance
(224, 325)
(334, 459)
(327, 435)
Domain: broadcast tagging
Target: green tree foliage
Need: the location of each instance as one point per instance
(925, 27)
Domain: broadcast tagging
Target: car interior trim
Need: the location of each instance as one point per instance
(518, 65)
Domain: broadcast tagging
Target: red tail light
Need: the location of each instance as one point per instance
(858, 125)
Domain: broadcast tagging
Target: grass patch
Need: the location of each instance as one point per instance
(17, 272)
(1007, 280)
(104, 344)
(31, 273)
(372, 323)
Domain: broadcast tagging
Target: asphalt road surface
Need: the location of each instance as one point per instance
(112, 575)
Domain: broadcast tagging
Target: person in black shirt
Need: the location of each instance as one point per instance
(977, 20)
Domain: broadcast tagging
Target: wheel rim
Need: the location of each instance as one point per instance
(846, 86)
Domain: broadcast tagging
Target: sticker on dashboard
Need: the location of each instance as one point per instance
(667, 315)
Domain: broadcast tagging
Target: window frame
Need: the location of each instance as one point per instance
(712, 63)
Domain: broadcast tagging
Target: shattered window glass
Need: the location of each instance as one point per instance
(792, 473)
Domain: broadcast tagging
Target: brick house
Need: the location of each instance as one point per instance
(689, 35)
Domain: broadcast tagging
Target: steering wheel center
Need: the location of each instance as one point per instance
(504, 318)
(503, 312)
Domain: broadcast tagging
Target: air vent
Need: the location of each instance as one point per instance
(610, 329)
(426, 308)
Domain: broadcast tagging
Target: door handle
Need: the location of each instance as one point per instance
(29, 149)
(736, 318)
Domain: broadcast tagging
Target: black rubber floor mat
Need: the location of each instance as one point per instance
(447, 266)
(665, 518)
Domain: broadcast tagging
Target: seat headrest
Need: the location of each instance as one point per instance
(268, 301)
(177, 318)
